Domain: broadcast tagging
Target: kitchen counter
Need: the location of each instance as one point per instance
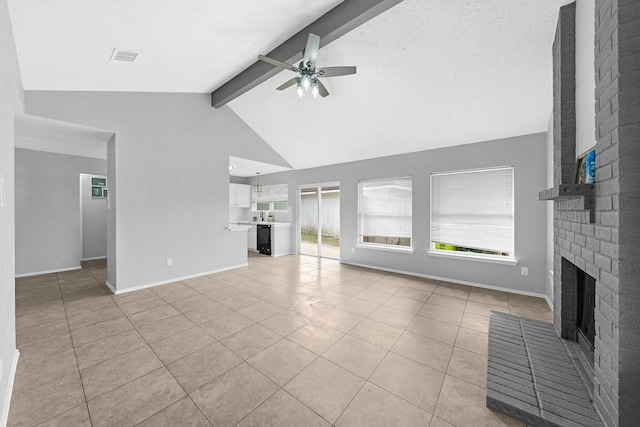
(273, 224)
(238, 227)
(280, 236)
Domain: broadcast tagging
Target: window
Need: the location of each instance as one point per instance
(384, 212)
(280, 206)
(261, 206)
(472, 213)
(270, 207)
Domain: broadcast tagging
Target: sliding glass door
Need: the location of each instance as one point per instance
(320, 221)
(309, 221)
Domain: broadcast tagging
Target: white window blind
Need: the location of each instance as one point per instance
(384, 212)
(473, 209)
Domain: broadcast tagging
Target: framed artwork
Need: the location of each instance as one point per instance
(98, 188)
(584, 172)
(96, 191)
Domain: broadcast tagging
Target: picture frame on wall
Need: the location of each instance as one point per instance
(584, 172)
(96, 191)
(102, 182)
(98, 188)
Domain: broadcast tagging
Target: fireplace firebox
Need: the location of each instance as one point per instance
(585, 313)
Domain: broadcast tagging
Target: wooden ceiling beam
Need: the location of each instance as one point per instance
(332, 25)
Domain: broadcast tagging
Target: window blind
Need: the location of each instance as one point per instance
(384, 211)
(473, 209)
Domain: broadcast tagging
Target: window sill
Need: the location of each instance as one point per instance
(479, 258)
(389, 248)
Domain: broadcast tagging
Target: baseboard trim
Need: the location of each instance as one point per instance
(93, 258)
(447, 279)
(282, 254)
(37, 273)
(110, 286)
(177, 279)
(4, 417)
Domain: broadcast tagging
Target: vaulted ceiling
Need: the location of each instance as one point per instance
(430, 73)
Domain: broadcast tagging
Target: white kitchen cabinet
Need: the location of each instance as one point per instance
(280, 237)
(281, 240)
(239, 195)
(252, 238)
(280, 193)
(272, 193)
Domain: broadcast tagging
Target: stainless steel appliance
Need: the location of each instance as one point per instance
(264, 239)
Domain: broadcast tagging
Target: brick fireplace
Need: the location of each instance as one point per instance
(597, 227)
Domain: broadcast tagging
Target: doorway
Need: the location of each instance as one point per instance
(93, 216)
(320, 220)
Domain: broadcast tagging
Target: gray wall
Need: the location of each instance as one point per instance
(112, 259)
(526, 153)
(48, 209)
(94, 220)
(171, 165)
(11, 101)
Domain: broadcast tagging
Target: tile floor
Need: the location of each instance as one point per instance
(289, 341)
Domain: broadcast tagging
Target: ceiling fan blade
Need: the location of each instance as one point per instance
(278, 63)
(311, 50)
(288, 83)
(321, 89)
(336, 71)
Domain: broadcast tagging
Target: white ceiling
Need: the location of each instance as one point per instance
(246, 168)
(430, 73)
(187, 45)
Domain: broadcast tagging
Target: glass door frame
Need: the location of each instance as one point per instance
(318, 188)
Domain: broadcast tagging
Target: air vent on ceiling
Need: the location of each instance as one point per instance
(124, 55)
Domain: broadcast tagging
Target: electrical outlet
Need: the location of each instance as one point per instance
(353, 250)
(524, 271)
(169, 262)
(1, 192)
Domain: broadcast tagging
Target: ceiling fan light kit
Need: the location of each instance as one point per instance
(308, 78)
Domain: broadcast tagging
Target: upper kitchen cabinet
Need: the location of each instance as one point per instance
(239, 195)
(272, 193)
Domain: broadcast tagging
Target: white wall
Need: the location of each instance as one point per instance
(585, 76)
(526, 153)
(11, 101)
(48, 209)
(171, 159)
(94, 220)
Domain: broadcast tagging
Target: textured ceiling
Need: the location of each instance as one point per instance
(187, 45)
(430, 73)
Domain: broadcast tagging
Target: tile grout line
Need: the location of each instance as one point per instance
(75, 355)
(310, 291)
(155, 370)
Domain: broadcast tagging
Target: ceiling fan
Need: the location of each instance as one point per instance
(308, 75)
